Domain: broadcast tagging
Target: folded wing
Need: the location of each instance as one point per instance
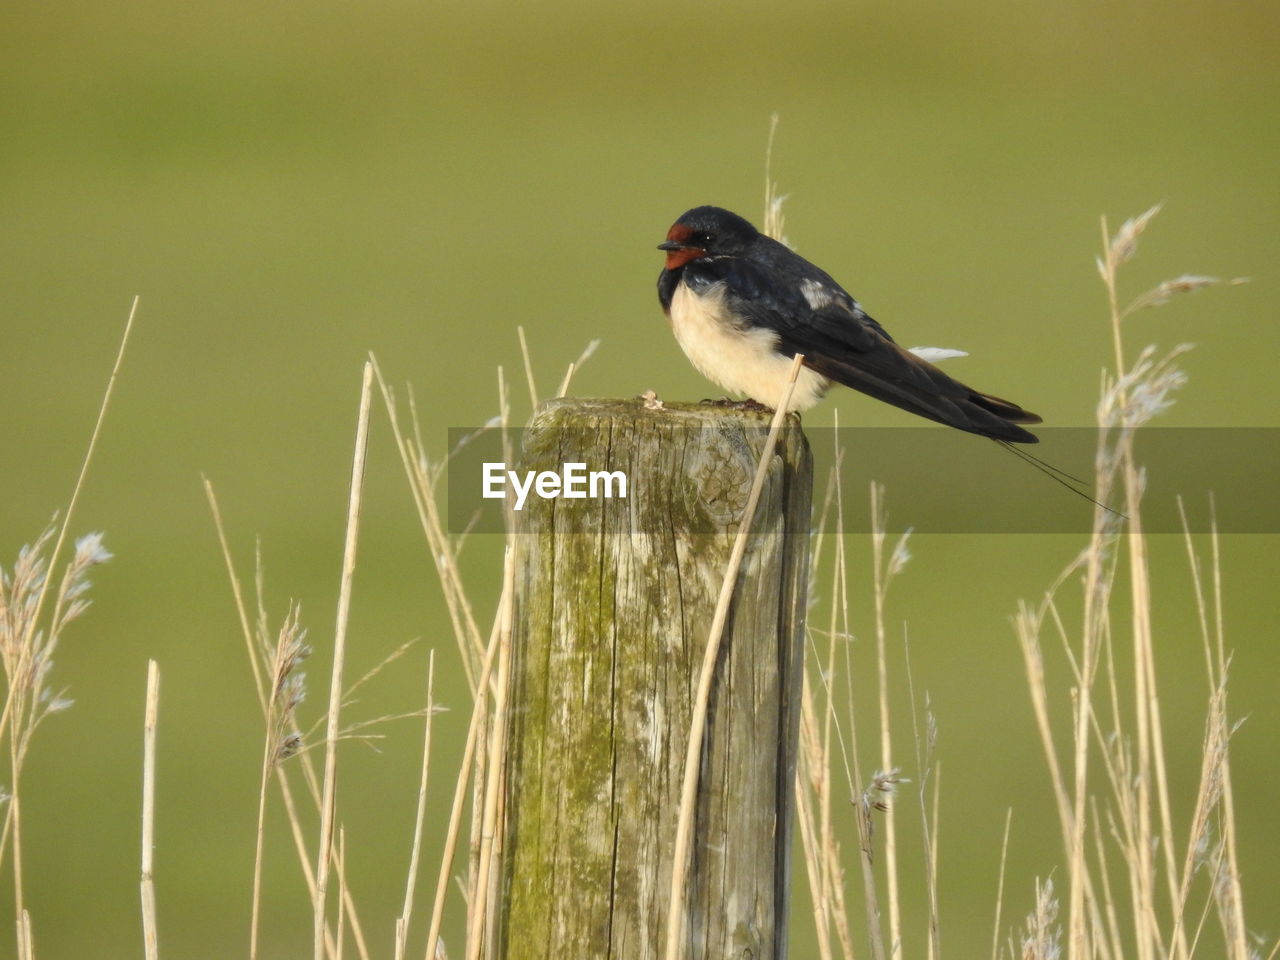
(814, 315)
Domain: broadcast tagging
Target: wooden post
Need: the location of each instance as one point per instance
(613, 602)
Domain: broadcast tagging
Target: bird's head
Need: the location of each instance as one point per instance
(706, 232)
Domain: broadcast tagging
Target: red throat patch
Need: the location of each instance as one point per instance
(679, 233)
(678, 258)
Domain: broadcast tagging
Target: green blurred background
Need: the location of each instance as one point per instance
(289, 186)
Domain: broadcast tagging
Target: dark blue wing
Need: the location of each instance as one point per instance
(814, 315)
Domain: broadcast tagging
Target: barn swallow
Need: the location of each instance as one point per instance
(742, 305)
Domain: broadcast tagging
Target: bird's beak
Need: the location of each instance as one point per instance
(679, 252)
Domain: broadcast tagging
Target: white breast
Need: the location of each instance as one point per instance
(742, 361)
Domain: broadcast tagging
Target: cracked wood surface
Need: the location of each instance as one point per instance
(614, 600)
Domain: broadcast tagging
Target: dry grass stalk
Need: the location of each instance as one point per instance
(528, 367)
(484, 664)
(415, 850)
(880, 589)
(483, 903)
(822, 856)
(424, 477)
(811, 777)
(27, 645)
(26, 939)
(1042, 940)
(265, 659)
(1152, 914)
(328, 812)
(587, 351)
(1004, 862)
(465, 770)
(340, 862)
(689, 788)
(926, 742)
(820, 735)
(1146, 905)
(481, 768)
(820, 730)
(274, 658)
(774, 223)
(281, 740)
(28, 640)
(32, 620)
(150, 930)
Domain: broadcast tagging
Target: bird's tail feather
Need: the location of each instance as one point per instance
(917, 386)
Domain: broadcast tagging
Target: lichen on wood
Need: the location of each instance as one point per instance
(613, 602)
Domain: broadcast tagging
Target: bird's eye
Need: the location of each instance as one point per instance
(708, 238)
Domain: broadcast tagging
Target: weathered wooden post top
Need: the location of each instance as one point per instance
(614, 597)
